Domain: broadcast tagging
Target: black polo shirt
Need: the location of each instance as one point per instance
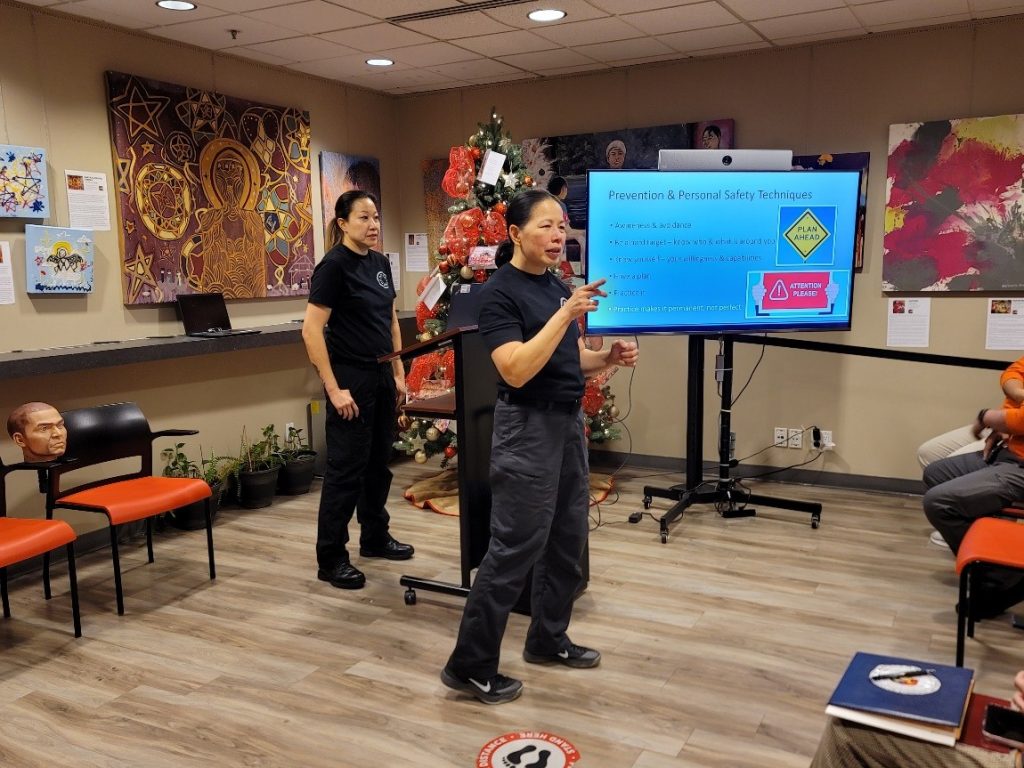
(514, 306)
(360, 293)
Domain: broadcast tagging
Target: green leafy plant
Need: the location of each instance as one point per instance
(217, 469)
(295, 447)
(177, 463)
(259, 455)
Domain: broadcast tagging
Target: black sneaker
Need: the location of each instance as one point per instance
(495, 690)
(573, 656)
(345, 576)
(390, 549)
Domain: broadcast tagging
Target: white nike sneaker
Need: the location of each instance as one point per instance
(494, 690)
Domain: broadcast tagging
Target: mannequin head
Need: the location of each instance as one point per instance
(38, 429)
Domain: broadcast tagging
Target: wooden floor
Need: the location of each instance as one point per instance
(720, 647)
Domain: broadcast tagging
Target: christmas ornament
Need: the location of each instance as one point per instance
(414, 427)
(494, 228)
(433, 433)
(420, 457)
(614, 412)
(500, 207)
(443, 267)
(450, 451)
(480, 275)
(466, 273)
(461, 173)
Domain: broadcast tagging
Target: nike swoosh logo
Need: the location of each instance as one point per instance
(563, 654)
(483, 688)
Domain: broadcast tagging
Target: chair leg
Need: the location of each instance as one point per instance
(46, 576)
(149, 538)
(117, 570)
(73, 578)
(971, 578)
(209, 536)
(3, 593)
(961, 618)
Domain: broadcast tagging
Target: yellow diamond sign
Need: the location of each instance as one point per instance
(807, 234)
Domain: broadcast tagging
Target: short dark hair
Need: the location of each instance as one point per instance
(557, 184)
(712, 129)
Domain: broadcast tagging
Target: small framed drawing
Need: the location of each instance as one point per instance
(58, 259)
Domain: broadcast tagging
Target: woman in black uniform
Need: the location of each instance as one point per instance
(539, 473)
(350, 322)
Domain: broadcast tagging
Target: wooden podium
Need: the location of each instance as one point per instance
(472, 408)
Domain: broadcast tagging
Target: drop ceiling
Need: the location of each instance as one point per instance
(439, 44)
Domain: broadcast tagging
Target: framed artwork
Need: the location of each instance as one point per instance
(58, 259)
(435, 200)
(844, 161)
(213, 193)
(954, 218)
(340, 173)
(23, 188)
(714, 134)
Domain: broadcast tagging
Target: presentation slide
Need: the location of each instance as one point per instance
(721, 251)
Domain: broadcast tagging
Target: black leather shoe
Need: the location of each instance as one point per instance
(391, 549)
(345, 576)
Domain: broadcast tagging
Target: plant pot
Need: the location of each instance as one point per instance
(191, 517)
(296, 475)
(256, 489)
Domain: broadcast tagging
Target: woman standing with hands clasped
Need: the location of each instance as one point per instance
(539, 472)
(350, 322)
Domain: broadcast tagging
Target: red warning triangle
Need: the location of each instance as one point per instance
(778, 292)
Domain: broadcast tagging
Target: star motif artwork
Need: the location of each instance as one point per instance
(137, 274)
(140, 110)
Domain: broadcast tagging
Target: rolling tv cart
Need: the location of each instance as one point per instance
(730, 501)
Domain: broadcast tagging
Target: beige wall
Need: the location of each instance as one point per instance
(837, 97)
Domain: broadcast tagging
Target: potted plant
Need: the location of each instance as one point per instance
(297, 460)
(258, 467)
(178, 464)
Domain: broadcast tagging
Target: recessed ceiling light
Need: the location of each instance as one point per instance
(176, 5)
(379, 62)
(549, 14)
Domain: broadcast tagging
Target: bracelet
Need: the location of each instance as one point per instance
(981, 416)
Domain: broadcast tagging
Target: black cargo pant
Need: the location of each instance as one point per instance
(357, 478)
(539, 506)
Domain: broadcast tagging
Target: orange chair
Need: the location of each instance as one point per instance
(990, 541)
(21, 540)
(112, 432)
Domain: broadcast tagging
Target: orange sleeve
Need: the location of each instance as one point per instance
(1014, 420)
(1014, 371)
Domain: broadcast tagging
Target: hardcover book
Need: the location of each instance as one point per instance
(922, 700)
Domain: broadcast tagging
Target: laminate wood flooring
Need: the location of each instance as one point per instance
(720, 647)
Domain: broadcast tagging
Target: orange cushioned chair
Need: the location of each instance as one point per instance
(112, 432)
(990, 541)
(21, 540)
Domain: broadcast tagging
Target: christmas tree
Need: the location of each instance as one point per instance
(466, 254)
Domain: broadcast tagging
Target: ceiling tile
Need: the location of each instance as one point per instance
(341, 68)
(376, 37)
(518, 41)
(615, 6)
(539, 60)
(588, 32)
(428, 55)
(517, 15)
(914, 23)
(46, 2)
(593, 66)
(216, 33)
(311, 17)
(475, 69)
(890, 11)
(751, 10)
(727, 49)
(461, 25)
(382, 9)
(680, 19)
(504, 78)
(1009, 6)
(135, 15)
(809, 24)
(991, 13)
(300, 49)
(254, 55)
(624, 49)
(716, 37)
(820, 37)
(241, 6)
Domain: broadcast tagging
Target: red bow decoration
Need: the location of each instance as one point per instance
(423, 314)
(461, 173)
(494, 227)
(463, 233)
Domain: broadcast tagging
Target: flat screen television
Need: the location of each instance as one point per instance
(714, 252)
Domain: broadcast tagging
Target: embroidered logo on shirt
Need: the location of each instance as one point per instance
(382, 279)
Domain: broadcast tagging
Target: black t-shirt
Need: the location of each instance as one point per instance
(514, 306)
(359, 292)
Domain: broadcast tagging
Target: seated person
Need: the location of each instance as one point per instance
(851, 745)
(38, 429)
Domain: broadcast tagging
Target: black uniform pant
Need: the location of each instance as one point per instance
(539, 506)
(357, 478)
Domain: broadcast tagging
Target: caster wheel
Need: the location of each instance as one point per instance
(647, 502)
(410, 597)
(664, 538)
(815, 523)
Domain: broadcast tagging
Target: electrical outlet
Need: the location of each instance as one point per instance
(781, 436)
(795, 439)
(826, 440)
(288, 428)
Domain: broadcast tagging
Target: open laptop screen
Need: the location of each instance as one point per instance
(201, 312)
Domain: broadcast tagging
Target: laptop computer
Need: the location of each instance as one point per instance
(464, 307)
(206, 315)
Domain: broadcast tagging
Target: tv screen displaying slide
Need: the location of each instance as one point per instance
(721, 251)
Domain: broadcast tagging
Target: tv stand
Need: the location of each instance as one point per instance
(729, 498)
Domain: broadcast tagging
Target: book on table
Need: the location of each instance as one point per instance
(919, 699)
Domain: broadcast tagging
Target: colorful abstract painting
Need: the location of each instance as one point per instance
(844, 161)
(23, 190)
(341, 173)
(213, 193)
(954, 219)
(58, 259)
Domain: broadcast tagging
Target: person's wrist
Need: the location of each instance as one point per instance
(981, 416)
